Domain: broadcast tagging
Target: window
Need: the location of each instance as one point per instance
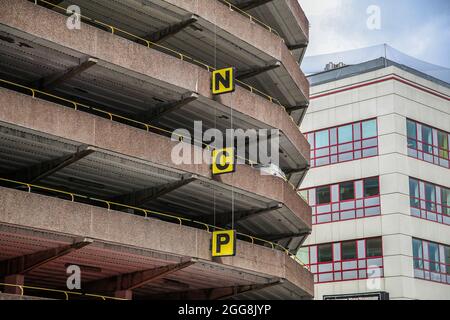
(347, 191)
(428, 144)
(429, 201)
(345, 133)
(427, 139)
(369, 129)
(447, 259)
(322, 139)
(412, 134)
(445, 198)
(417, 254)
(348, 250)
(325, 253)
(374, 247)
(431, 261)
(443, 144)
(344, 143)
(344, 201)
(347, 260)
(371, 187)
(414, 193)
(323, 195)
(430, 196)
(433, 254)
(303, 255)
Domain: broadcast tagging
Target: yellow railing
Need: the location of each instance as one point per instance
(149, 44)
(112, 116)
(65, 293)
(251, 18)
(148, 213)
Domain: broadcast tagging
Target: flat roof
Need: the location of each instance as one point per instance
(368, 66)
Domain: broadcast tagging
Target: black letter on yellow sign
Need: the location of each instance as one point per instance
(224, 243)
(223, 81)
(224, 161)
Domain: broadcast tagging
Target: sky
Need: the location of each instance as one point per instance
(420, 28)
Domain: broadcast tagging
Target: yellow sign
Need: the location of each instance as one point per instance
(224, 243)
(223, 80)
(223, 161)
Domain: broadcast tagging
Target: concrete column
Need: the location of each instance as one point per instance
(124, 294)
(17, 279)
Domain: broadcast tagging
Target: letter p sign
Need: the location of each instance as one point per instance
(224, 243)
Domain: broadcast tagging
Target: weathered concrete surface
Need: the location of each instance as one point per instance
(7, 296)
(52, 119)
(240, 26)
(119, 53)
(65, 217)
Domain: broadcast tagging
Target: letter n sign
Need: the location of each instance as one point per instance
(224, 243)
(223, 81)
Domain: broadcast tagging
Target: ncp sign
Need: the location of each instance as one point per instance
(223, 80)
(224, 243)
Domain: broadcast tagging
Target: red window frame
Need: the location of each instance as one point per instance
(434, 145)
(333, 262)
(423, 212)
(339, 202)
(439, 263)
(353, 142)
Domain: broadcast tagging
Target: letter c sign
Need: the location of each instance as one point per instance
(224, 243)
(224, 161)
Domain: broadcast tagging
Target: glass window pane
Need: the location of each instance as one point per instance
(303, 255)
(414, 192)
(348, 250)
(347, 191)
(417, 254)
(374, 248)
(371, 187)
(430, 196)
(447, 258)
(433, 255)
(345, 134)
(325, 253)
(369, 129)
(322, 139)
(427, 139)
(323, 195)
(445, 199)
(411, 129)
(443, 144)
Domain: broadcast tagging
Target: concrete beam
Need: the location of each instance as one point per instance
(123, 284)
(252, 4)
(215, 293)
(57, 79)
(299, 107)
(239, 216)
(165, 108)
(131, 233)
(257, 70)
(172, 29)
(282, 236)
(144, 196)
(42, 170)
(26, 263)
(298, 46)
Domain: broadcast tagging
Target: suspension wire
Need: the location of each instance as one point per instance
(215, 106)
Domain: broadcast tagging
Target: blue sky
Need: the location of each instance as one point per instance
(420, 28)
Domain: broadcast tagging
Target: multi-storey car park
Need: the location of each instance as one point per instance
(379, 183)
(85, 151)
